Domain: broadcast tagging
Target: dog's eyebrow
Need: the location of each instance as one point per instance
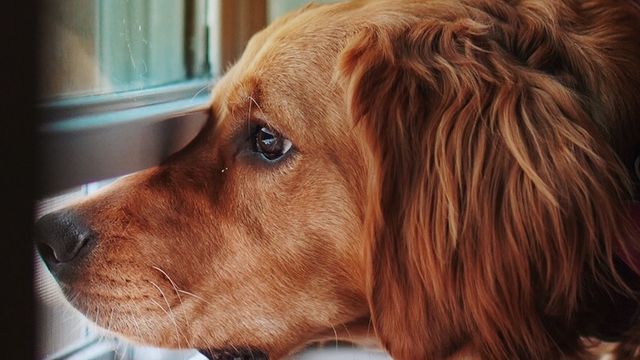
(231, 100)
(243, 95)
(253, 102)
(246, 105)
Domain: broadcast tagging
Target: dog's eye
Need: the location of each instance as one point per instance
(271, 145)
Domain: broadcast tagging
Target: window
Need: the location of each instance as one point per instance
(110, 70)
(124, 83)
(105, 46)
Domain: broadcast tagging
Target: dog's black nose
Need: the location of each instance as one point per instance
(63, 239)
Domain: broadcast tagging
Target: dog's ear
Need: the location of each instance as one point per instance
(491, 196)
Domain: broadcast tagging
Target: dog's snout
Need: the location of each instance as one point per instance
(63, 238)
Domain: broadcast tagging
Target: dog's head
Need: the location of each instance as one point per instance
(249, 237)
(428, 166)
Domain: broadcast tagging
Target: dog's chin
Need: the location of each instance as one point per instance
(234, 354)
(117, 321)
(125, 321)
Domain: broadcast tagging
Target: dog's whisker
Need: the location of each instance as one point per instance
(110, 320)
(175, 287)
(147, 324)
(257, 105)
(194, 295)
(203, 88)
(336, 334)
(168, 313)
(135, 324)
(67, 314)
(97, 318)
(118, 350)
(126, 226)
(67, 310)
(171, 315)
(346, 329)
(70, 319)
(249, 117)
(124, 346)
(101, 329)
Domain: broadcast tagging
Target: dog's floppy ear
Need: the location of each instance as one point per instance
(492, 198)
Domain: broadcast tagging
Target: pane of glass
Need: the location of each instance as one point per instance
(102, 46)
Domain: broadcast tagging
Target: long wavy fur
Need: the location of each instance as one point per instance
(500, 133)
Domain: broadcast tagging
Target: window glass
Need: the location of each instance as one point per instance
(101, 46)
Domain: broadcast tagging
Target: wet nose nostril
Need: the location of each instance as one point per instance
(62, 238)
(46, 252)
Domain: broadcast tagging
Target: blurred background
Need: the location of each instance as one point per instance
(103, 46)
(108, 71)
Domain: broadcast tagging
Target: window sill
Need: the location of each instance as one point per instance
(89, 139)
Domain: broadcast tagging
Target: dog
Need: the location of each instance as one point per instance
(453, 179)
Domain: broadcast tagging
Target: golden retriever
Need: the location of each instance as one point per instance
(451, 177)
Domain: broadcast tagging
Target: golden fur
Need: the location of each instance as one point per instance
(459, 178)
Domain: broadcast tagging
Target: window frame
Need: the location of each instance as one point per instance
(87, 139)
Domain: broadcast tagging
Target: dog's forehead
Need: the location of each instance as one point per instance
(289, 70)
